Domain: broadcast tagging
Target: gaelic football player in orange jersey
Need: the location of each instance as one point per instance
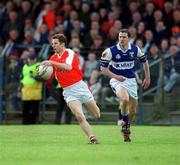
(75, 91)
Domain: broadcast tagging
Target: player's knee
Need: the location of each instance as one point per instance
(80, 117)
(124, 101)
(97, 114)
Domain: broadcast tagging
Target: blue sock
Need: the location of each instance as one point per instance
(125, 118)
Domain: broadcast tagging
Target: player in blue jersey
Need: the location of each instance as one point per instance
(118, 63)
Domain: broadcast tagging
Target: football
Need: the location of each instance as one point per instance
(45, 71)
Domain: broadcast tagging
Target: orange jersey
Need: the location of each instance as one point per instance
(67, 78)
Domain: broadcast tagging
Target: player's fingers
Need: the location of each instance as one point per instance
(146, 85)
(123, 78)
(44, 62)
(37, 69)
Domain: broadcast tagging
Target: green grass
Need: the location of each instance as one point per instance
(67, 145)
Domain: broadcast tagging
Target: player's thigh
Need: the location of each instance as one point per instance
(93, 108)
(122, 93)
(76, 107)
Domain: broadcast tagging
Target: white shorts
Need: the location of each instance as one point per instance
(129, 84)
(78, 91)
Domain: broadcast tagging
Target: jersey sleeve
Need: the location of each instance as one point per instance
(70, 57)
(106, 58)
(51, 58)
(141, 55)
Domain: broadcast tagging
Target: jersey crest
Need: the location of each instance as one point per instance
(118, 56)
(104, 54)
(131, 55)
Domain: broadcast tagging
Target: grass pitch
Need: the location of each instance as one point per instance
(67, 145)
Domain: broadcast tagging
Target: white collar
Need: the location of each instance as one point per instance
(129, 47)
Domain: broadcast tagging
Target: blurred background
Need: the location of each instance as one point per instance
(90, 26)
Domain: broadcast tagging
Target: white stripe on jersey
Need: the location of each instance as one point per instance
(106, 55)
(122, 65)
(140, 53)
(70, 57)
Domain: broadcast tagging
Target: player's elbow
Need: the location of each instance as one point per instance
(102, 69)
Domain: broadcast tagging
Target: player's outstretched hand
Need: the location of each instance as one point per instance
(146, 83)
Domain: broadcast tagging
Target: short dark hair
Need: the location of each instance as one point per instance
(125, 31)
(61, 37)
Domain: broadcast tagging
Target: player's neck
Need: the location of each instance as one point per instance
(124, 47)
(61, 52)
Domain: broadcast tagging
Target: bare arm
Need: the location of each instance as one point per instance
(107, 72)
(138, 79)
(57, 65)
(146, 81)
(94, 75)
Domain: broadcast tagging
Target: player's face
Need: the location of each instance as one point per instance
(57, 46)
(123, 39)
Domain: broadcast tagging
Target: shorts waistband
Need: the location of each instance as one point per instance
(73, 85)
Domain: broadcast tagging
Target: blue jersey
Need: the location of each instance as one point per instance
(122, 62)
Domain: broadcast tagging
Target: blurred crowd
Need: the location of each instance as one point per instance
(91, 26)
